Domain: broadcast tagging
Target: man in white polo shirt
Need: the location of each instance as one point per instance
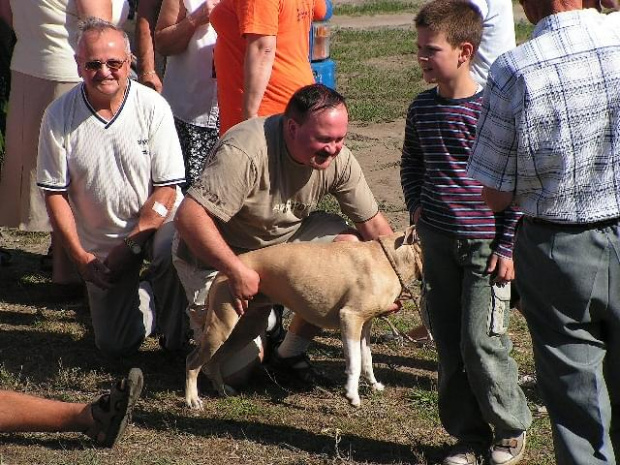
(110, 163)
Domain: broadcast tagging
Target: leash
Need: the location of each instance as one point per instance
(405, 293)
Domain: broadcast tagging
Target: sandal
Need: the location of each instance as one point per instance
(300, 368)
(111, 412)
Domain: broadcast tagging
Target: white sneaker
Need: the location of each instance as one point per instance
(462, 453)
(508, 450)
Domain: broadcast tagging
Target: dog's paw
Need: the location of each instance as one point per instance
(378, 386)
(194, 403)
(354, 399)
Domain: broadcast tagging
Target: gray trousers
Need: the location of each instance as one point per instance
(569, 278)
(134, 308)
(478, 386)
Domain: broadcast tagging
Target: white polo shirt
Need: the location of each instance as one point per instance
(108, 168)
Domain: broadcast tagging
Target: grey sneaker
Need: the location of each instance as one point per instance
(508, 449)
(463, 453)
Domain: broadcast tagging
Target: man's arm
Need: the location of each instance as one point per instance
(152, 215)
(374, 227)
(497, 200)
(259, 57)
(197, 228)
(97, 8)
(146, 18)
(63, 222)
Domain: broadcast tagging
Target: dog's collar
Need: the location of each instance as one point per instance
(405, 293)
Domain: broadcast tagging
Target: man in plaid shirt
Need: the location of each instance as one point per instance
(549, 142)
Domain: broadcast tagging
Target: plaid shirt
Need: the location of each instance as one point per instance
(550, 124)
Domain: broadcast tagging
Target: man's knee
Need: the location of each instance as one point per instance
(350, 235)
(117, 348)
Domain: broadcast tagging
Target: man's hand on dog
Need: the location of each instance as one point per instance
(243, 286)
(501, 269)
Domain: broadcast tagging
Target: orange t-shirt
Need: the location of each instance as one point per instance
(290, 22)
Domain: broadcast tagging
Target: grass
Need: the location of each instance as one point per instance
(374, 7)
(377, 72)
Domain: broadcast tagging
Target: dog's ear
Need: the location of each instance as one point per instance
(411, 235)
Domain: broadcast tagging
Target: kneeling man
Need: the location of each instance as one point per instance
(109, 163)
(260, 187)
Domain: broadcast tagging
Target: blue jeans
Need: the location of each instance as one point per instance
(569, 278)
(478, 387)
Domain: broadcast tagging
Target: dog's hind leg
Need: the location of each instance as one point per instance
(351, 329)
(367, 358)
(192, 368)
(218, 327)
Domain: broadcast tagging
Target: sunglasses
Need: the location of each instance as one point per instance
(96, 65)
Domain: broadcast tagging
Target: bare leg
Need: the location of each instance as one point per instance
(25, 413)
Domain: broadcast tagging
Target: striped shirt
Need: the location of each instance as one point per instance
(550, 125)
(439, 134)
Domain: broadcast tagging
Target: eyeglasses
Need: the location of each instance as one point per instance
(96, 65)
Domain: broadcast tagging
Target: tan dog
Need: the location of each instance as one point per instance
(331, 285)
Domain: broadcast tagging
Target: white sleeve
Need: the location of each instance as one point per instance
(167, 166)
(52, 169)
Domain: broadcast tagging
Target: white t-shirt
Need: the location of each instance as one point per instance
(498, 35)
(108, 168)
(189, 84)
(46, 33)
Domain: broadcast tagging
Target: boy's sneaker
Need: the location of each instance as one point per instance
(463, 453)
(508, 449)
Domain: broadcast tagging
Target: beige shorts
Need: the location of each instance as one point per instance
(318, 227)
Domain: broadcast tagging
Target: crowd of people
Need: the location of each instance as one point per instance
(509, 172)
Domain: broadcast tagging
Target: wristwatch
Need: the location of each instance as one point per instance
(135, 248)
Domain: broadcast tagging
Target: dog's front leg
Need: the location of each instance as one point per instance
(351, 329)
(367, 358)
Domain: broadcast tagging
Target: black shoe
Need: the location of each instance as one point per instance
(275, 336)
(298, 368)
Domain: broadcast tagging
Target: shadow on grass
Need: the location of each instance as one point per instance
(23, 283)
(350, 447)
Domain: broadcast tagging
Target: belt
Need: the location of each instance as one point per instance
(594, 225)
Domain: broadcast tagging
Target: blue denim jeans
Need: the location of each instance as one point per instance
(478, 387)
(569, 280)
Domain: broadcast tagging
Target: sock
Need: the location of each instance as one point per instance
(293, 345)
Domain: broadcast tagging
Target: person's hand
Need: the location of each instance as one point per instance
(94, 271)
(415, 216)
(501, 269)
(243, 286)
(119, 260)
(202, 13)
(151, 79)
(395, 307)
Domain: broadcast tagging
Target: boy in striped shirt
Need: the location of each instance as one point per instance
(467, 248)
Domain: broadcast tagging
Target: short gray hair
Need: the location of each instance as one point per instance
(93, 24)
